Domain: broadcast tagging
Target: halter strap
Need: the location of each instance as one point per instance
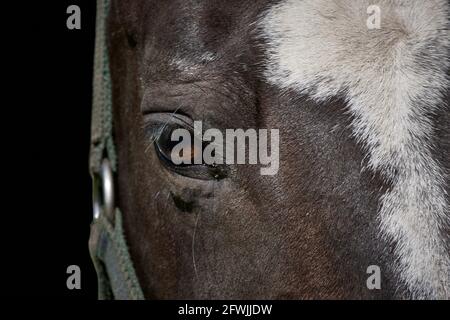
(102, 143)
(107, 244)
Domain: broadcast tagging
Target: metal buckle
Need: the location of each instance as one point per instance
(103, 191)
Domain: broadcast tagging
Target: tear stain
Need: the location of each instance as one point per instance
(182, 205)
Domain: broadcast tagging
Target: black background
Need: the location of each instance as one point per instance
(46, 197)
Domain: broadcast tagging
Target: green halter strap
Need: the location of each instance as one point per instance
(109, 252)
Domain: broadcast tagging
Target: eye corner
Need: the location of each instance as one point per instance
(218, 172)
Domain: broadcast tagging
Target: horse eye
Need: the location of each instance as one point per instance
(164, 147)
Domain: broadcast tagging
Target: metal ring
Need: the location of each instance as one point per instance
(103, 191)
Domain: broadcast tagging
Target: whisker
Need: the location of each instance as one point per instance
(193, 245)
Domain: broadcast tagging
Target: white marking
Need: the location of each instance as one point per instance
(392, 78)
(192, 66)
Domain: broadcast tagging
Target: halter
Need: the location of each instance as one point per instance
(107, 245)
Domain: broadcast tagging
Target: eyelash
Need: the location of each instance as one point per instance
(154, 130)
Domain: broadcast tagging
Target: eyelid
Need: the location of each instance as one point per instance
(155, 123)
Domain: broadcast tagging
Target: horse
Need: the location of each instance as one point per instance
(363, 118)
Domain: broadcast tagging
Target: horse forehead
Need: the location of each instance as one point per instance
(193, 32)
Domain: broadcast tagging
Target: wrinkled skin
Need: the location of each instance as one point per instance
(308, 232)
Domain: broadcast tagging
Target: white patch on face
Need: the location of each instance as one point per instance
(192, 66)
(392, 79)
